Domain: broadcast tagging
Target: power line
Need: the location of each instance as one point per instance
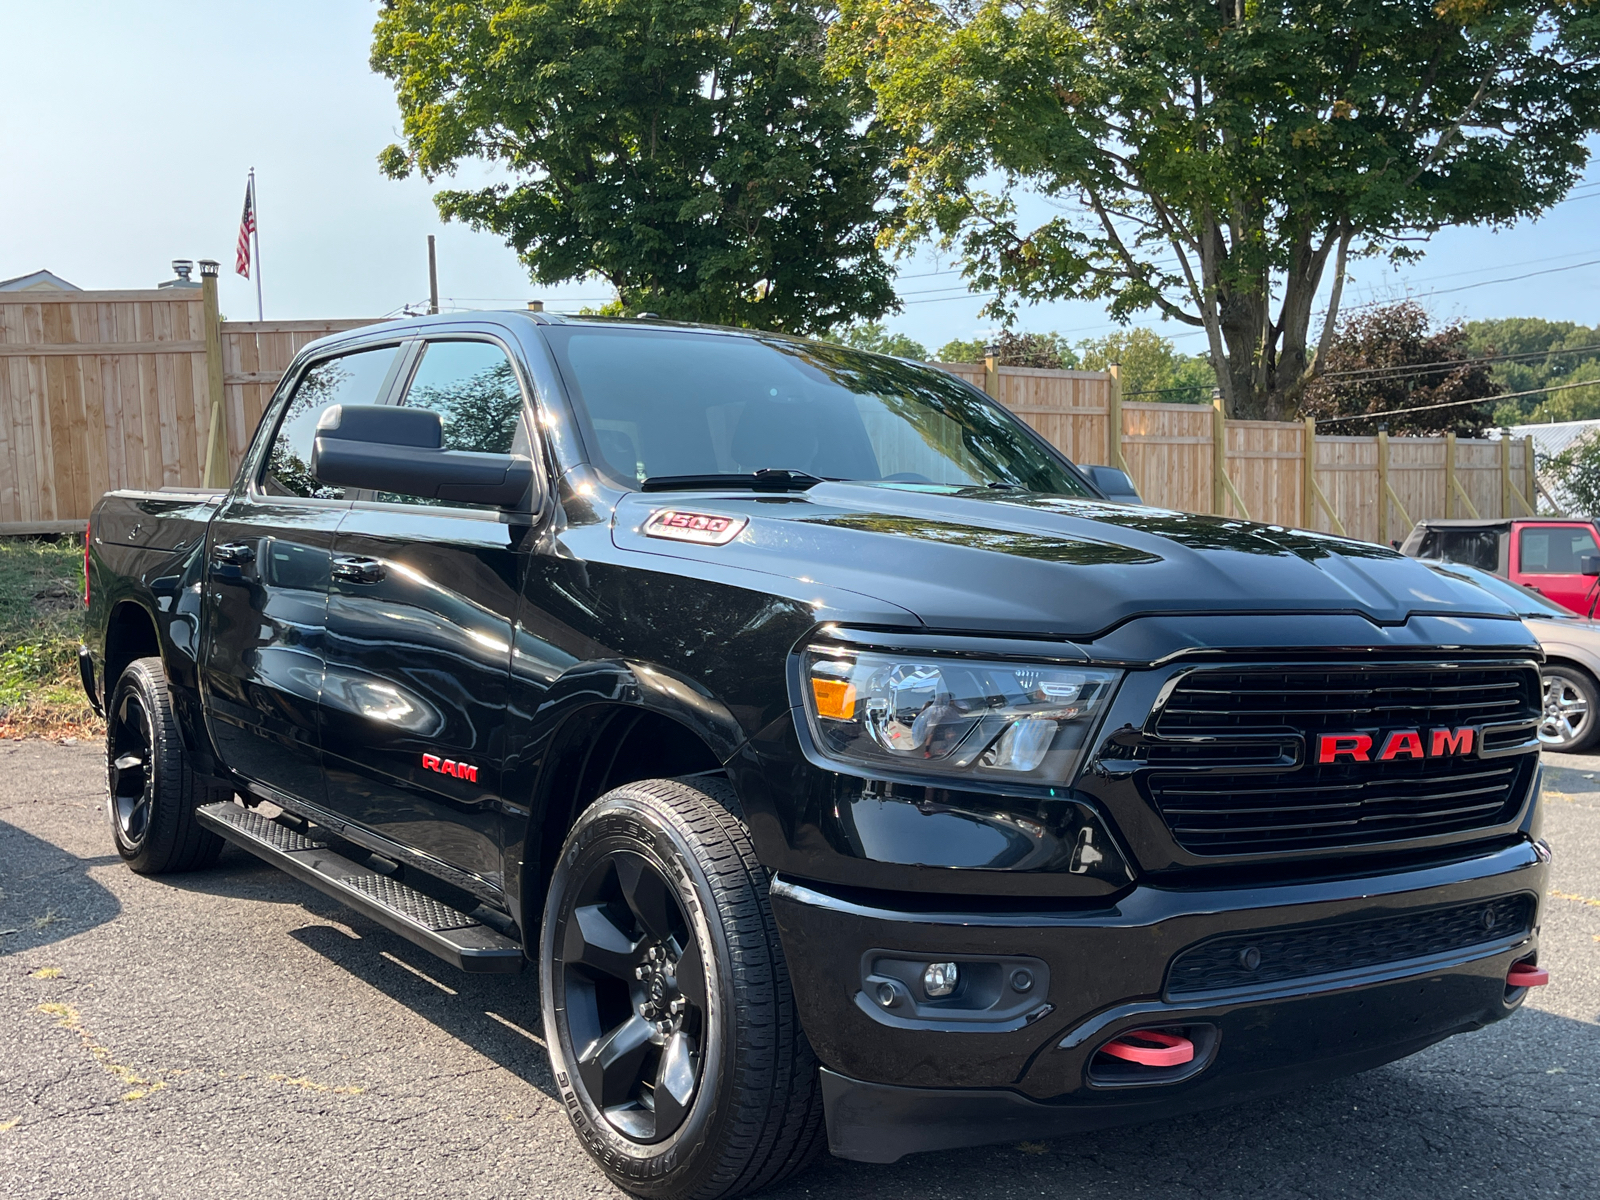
(964, 296)
(1400, 412)
(1429, 367)
(1467, 287)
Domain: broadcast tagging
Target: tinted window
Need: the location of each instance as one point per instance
(473, 388)
(1554, 550)
(349, 379)
(1471, 547)
(661, 403)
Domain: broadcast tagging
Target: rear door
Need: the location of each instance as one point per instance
(1547, 555)
(422, 604)
(267, 572)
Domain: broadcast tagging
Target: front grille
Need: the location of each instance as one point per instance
(1284, 954)
(1237, 778)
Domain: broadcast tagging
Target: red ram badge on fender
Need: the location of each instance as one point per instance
(704, 529)
(1397, 745)
(449, 766)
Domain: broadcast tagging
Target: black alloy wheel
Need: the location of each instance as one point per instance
(635, 993)
(151, 790)
(132, 777)
(667, 1008)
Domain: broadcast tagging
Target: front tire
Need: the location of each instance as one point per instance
(152, 791)
(1571, 717)
(667, 1007)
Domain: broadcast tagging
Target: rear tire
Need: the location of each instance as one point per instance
(151, 790)
(667, 1006)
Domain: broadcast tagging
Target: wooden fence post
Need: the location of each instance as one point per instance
(1219, 458)
(1308, 475)
(1383, 487)
(1505, 476)
(1114, 418)
(991, 372)
(217, 470)
(1449, 476)
(1533, 477)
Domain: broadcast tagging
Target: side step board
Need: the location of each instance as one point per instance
(437, 928)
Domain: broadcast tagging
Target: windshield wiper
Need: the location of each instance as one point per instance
(764, 480)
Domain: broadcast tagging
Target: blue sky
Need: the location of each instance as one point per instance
(127, 131)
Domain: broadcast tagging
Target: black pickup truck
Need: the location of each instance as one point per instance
(853, 771)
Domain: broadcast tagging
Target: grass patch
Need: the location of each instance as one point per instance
(41, 623)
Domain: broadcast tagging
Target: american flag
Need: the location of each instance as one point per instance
(247, 226)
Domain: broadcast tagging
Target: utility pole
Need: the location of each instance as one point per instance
(433, 277)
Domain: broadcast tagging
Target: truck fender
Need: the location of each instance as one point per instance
(551, 764)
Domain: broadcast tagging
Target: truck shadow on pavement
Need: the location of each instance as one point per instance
(496, 1015)
(1483, 1113)
(46, 894)
(1507, 1111)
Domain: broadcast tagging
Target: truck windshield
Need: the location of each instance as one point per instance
(662, 403)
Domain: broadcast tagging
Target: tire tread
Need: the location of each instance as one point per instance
(775, 1126)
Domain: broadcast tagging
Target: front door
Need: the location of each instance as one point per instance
(1549, 557)
(267, 573)
(418, 649)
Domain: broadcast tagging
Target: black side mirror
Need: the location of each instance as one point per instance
(389, 449)
(1114, 483)
(1589, 564)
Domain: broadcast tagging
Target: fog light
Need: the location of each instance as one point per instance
(940, 979)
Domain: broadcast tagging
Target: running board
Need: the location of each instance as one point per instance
(419, 918)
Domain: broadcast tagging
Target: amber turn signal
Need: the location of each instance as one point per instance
(835, 698)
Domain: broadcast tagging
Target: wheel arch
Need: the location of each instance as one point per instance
(130, 634)
(602, 725)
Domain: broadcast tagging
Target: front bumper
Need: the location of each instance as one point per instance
(896, 1084)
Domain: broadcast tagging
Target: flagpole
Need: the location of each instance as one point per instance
(255, 236)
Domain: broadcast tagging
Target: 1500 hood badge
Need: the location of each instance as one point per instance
(1396, 744)
(703, 529)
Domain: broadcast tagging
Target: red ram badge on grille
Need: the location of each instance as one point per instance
(1397, 745)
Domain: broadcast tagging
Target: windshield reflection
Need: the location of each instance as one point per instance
(660, 403)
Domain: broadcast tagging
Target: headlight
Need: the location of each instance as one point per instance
(952, 716)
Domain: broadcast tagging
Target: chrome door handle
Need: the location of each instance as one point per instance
(357, 569)
(234, 553)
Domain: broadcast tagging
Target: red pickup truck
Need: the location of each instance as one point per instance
(1555, 556)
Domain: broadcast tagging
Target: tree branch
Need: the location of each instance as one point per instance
(1135, 270)
(1315, 367)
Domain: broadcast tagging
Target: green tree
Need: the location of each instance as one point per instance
(695, 155)
(871, 335)
(1547, 354)
(1576, 473)
(1215, 161)
(957, 350)
(1048, 350)
(1152, 368)
(1390, 358)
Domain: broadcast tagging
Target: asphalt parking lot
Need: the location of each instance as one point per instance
(232, 1033)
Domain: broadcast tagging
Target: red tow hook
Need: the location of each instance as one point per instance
(1525, 974)
(1151, 1048)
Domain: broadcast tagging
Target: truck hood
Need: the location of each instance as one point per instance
(975, 560)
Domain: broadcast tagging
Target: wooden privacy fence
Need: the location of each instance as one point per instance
(1186, 456)
(103, 390)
